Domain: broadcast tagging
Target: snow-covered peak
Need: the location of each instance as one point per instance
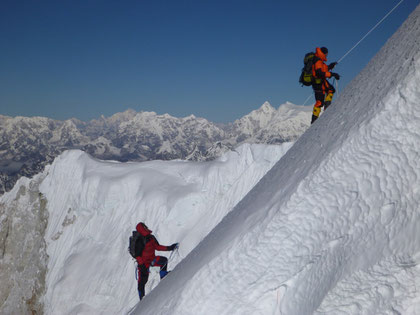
(257, 119)
(268, 125)
(192, 117)
(68, 134)
(265, 111)
(266, 107)
(118, 117)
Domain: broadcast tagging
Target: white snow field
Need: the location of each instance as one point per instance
(334, 226)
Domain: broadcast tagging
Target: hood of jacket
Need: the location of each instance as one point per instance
(320, 54)
(143, 229)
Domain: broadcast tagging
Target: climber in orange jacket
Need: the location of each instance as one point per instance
(323, 90)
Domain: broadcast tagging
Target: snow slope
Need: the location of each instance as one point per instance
(334, 227)
(94, 205)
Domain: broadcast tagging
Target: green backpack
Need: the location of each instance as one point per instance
(306, 78)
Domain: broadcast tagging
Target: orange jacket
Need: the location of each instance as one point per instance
(320, 69)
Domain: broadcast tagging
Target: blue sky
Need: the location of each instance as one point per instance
(214, 59)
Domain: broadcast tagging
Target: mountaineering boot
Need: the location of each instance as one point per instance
(315, 113)
(163, 273)
(328, 100)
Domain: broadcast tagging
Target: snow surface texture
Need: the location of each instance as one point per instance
(94, 205)
(334, 227)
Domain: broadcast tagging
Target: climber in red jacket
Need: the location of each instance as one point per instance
(148, 257)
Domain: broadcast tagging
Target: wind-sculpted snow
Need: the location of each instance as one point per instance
(94, 205)
(334, 227)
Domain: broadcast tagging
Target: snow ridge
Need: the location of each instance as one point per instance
(95, 204)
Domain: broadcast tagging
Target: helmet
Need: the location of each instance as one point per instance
(324, 50)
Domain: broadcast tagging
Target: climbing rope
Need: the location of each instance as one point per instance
(370, 31)
(336, 86)
(307, 99)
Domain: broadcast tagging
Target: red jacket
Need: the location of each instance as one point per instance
(150, 247)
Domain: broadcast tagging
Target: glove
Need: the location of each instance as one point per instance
(332, 65)
(173, 246)
(335, 75)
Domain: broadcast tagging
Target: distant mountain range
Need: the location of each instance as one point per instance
(27, 144)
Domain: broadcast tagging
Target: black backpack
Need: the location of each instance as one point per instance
(306, 78)
(136, 244)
